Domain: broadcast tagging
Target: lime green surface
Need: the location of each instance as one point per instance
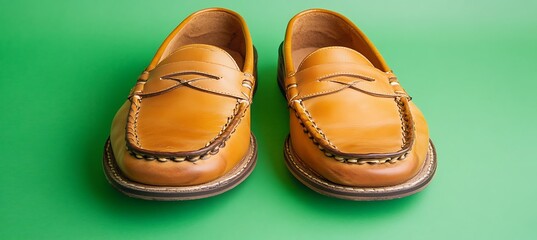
(66, 68)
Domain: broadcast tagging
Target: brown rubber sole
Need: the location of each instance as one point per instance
(323, 186)
(169, 193)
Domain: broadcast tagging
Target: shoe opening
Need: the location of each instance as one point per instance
(216, 28)
(318, 29)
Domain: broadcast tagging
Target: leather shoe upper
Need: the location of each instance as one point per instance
(351, 120)
(187, 119)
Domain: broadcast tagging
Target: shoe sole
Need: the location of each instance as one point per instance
(321, 185)
(169, 193)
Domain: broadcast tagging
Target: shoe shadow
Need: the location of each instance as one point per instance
(329, 206)
(270, 120)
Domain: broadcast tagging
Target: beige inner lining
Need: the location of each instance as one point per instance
(317, 30)
(219, 29)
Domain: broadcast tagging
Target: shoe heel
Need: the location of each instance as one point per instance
(255, 72)
(281, 70)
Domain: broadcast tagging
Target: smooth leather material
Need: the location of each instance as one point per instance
(187, 120)
(351, 122)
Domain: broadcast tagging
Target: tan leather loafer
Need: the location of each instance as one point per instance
(184, 132)
(354, 131)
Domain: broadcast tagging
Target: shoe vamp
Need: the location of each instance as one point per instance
(355, 122)
(184, 119)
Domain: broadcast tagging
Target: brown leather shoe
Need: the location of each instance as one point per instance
(184, 132)
(354, 131)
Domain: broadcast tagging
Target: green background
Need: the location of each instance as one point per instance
(67, 66)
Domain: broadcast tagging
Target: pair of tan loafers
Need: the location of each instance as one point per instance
(184, 131)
